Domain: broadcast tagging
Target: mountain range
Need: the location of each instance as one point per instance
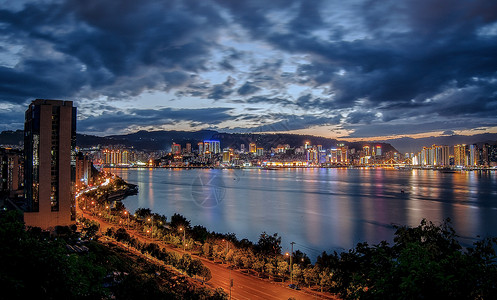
(162, 140)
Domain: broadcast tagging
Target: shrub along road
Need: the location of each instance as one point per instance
(244, 286)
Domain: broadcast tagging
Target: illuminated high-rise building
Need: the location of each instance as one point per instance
(322, 157)
(176, 149)
(365, 148)
(188, 147)
(212, 146)
(474, 155)
(312, 155)
(125, 157)
(227, 155)
(10, 171)
(485, 155)
(83, 170)
(344, 154)
(334, 156)
(50, 163)
(200, 148)
(252, 148)
(378, 150)
(460, 157)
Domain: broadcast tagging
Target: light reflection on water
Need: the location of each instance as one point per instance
(320, 209)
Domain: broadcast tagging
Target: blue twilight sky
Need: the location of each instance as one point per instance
(349, 69)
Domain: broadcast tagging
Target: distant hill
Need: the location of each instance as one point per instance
(407, 144)
(162, 140)
(12, 137)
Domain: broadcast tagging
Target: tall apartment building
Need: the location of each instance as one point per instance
(252, 148)
(83, 170)
(10, 171)
(212, 146)
(176, 149)
(460, 155)
(50, 163)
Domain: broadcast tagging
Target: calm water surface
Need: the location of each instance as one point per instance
(319, 209)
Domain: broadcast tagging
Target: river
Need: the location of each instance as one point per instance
(319, 209)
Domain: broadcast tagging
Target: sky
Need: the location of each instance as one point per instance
(356, 69)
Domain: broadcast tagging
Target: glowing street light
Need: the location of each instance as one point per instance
(291, 265)
(151, 219)
(184, 237)
(127, 214)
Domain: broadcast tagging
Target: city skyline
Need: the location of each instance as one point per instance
(355, 70)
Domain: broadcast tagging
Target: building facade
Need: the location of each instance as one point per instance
(11, 174)
(50, 163)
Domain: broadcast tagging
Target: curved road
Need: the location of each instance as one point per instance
(244, 286)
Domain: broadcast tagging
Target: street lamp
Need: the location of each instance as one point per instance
(291, 265)
(151, 219)
(184, 237)
(126, 214)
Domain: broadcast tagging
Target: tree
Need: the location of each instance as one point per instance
(325, 279)
(258, 265)
(301, 258)
(143, 212)
(426, 261)
(215, 251)
(205, 273)
(199, 233)
(230, 254)
(184, 262)
(90, 230)
(282, 268)
(122, 235)
(178, 220)
(311, 275)
(269, 269)
(119, 207)
(34, 267)
(246, 262)
(152, 248)
(297, 274)
(269, 244)
(195, 267)
(206, 249)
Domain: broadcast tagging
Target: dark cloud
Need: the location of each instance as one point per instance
(381, 63)
(248, 89)
(223, 90)
(279, 122)
(360, 117)
(269, 100)
(112, 48)
(421, 126)
(418, 62)
(122, 120)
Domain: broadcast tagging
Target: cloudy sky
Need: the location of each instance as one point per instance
(349, 69)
